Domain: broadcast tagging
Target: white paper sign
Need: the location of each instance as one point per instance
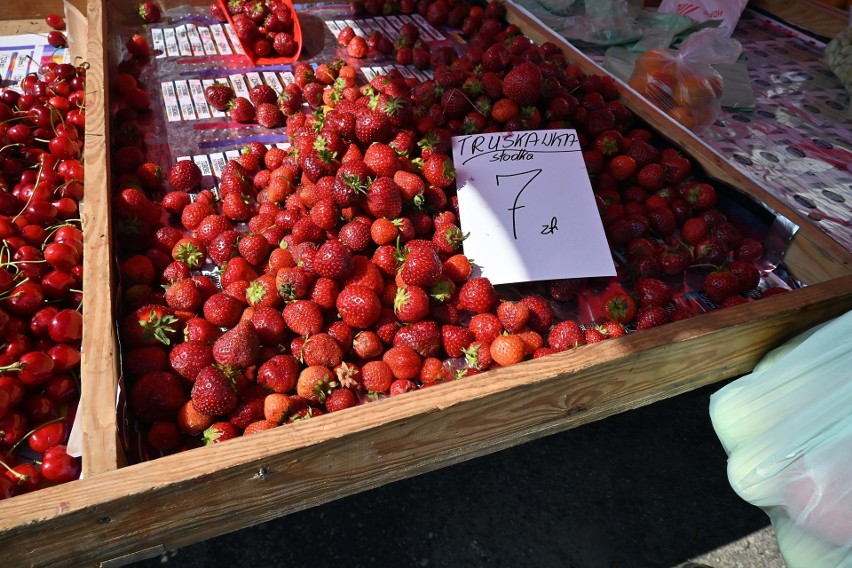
(526, 200)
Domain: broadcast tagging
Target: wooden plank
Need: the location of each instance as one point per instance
(189, 497)
(810, 15)
(99, 366)
(812, 256)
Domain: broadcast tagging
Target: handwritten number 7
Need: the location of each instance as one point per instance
(515, 205)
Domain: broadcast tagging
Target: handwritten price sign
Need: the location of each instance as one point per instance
(526, 200)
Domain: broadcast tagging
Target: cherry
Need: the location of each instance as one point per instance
(9, 97)
(66, 326)
(58, 466)
(25, 476)
(40, 321)
(66, 233)
(20, 134)
(37, 368)
(13, 426)
(5, 403)
(34, 234)
(66, 208)
(48, 435)
(55, 21)
(66, 71)
(38, 409)
(61, 256)
(8, 488)
(16, 344)
(57, 284)
(25, 299)
(72, 189)
(41, 212)
(14, 388)
(62, 388)
(57, 39)
(63, 147)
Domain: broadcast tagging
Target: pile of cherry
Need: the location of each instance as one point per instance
(41, 255)
(333, 273)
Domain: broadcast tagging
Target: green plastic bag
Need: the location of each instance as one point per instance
(787, 429)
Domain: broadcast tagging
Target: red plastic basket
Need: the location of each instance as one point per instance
(297, 35)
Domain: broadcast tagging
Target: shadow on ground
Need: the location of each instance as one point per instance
(644, 488)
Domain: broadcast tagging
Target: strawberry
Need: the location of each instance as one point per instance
(219, 431)
(185, 176)
(677, 168)
(383, 198)
(720, 284)
(315, 383)
(643, 152)
(513, 316)
(622, 167)
(358, 306)
(279, 373)
(694, 230)
(403, 361)
(372, 126)
(138, 46)
(619, 306)
(345, 36)
(652, 177)
(422, 267)
(507, 350)
(367, 345)
(477, 295)
(411, 304)
(321, 349)
(149, 325)
(749, 250)
(612, 329)
(701, 196)
(199, 329)
(651, 316)
(184, 295)
(377, 376)
(566, 335)
(381, 160)
(157, 396)
(340, 399)
(438, 170)
(149, 12)
(303, 317)
(222, 310)
(652, 292)
(357, 47)
(268, 115)
(238, 347)
(241, 110)
(213, 393)
(710, 251)
(541, 313)
(594, 335)
(423, 336)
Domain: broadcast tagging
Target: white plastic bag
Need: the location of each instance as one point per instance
(729, 11)
(787, 428)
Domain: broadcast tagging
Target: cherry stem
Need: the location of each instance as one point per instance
(20, 476)
(31, 432)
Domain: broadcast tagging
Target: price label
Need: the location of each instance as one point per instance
(527, 203)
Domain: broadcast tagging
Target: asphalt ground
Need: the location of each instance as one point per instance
(646, 488)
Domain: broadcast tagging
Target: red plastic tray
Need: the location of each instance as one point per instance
(297, 35)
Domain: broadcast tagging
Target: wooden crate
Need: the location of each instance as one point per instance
(119, 514)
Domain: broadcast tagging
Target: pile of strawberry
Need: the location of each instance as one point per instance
(41, 185)
(265, 28)
(333, 273)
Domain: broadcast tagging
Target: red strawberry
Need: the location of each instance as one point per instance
(238, 347)
(357, 47)
(279, 373)
(213, 393)
(321, 349)
(268, 115)
(184, 295)
(622, 167)
(423, 336)
(223, 310)
(513, 315)
(149, 12)
(381, 160)
(652, 292)
(383, 198)
(138, 46)
(652, 177)
(185, 176)
(651, 316)
(372, 126)
(541, 313)
(749, 250)
(566, 335)
(422, 267)
(314, 383)
(612, 329)
(149, 325)
(411, 304)
(157, 396)
(619, 306)
(219, 431)
(720, 284)
(340, 399)
(359, 306)
(345, 36)
(477, 295)
(438, 170)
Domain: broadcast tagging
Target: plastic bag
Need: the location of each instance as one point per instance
(682, 83)
(787, 428)
(728, 11)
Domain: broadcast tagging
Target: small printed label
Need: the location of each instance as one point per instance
(332, 25)
(287, 77)
(235, 41)
(368, 73)
(239, 84)
(171, 102)
(207, 40)
(271, 79)
(20, 68)
(356, 28)
(206, 171)
(172, 49)
(253, 79)
(387, 27)
(194, 39)
(218, 162)
(427, 28)
(196, 89)
(206, 83)
(221, 39)
(187, 109)
(183, 41)
(232, 154)
(158, 42)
